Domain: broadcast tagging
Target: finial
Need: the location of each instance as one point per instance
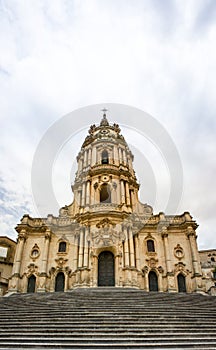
(104, 110)
(104, 121)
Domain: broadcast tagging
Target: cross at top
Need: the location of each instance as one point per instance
(104, 121)
(104, 110)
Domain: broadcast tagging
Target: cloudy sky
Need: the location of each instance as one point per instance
(57, 56)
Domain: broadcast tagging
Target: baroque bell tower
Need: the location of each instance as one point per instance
(105, 183)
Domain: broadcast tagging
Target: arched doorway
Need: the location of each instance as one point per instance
(181, 283)
(60, 282)
(31, 284)
(106, 269)
(153, 281)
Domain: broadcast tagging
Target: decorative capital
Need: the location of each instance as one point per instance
(190, 231)
(22, 235)
(48, 234)
(164, 231)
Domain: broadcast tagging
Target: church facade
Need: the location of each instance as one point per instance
(107, 237)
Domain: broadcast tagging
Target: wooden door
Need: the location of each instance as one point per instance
(106, 269)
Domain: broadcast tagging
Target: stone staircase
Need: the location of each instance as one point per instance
(108, 318)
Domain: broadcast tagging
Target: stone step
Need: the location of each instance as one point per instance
(107, 343)
(113, 339)
(106, 334)
(108, 327)
(159, 346)
(109, 319)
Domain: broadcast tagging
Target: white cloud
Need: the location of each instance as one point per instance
(158, 56)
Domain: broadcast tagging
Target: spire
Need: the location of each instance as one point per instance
(104, 121)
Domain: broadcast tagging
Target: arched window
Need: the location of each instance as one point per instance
(153, 282)
(62, 247)
(181, 283)
(105, 195)
(31, 284)
(60, 282)
(105, 157)
(150, 245)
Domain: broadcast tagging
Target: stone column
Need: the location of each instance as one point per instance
(19, 252)
(118, 193)
(132, 199)
(45, 251)
(95, 270)
(79, 166)
(122, 192)
(76, 251)
(126, 248)
(88, 193)
(114, 194)
(166, 249)
(14, 282)
(66, 281)
(85, 159)
(120, 155)
(115, 155)
(124, 157)
(137, 252)
(194, 251)
(89, 156)
(83, 194)
(86, 249)
(117, 268)
(160, 282)
(43, 275)
(93, 160)
(131, 246)
(146, 282)
(81, 242)
(79, 198)
(170, 276)
(127, 193)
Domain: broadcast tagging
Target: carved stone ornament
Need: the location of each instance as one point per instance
(116, 128)
(106, 236)
(61, 261)
(160, 269)
(35, 252)
(178, 252)
(152, 262)
(180, 266)
(104, 223)
(32, 268)
(92, 129)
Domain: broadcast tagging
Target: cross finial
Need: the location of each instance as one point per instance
(104, 110)
(104, 121)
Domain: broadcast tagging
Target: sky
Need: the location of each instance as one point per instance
(58, 56)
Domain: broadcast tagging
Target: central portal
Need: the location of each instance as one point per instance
(106, 269)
